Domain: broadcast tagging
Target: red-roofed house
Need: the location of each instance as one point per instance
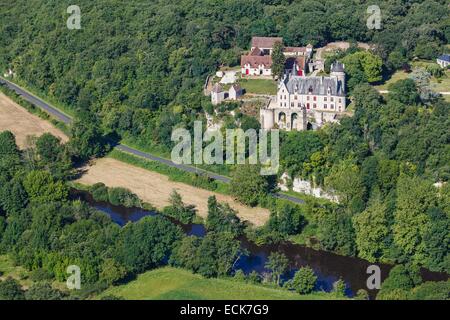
(259, 61)
(256, 65)
(265, 44)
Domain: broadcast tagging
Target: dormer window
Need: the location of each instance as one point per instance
(310, 90)
(329, 90)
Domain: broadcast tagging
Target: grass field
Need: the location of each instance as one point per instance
(438, 85)
(8, 269)
(177, 284)
(259, 86)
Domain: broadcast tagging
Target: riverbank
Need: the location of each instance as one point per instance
(177, 284)
(155, 188)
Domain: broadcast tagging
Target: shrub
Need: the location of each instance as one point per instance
(304, 280)
(41, 275)
(178, 210)
(122, 196)
(99, 192)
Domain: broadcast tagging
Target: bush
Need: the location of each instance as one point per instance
(43, 291)
(304, 280)
(239, 275)
(41, 275)
(432, 291)
(178, 210)
(10, 289)
(339, 288)
(99, 192)
(124, 197)
(362, 294)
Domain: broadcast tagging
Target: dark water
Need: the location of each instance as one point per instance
(329, 267)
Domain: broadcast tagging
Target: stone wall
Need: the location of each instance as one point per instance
(306, 187)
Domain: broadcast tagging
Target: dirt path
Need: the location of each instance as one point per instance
(22, 123)
(155, 188)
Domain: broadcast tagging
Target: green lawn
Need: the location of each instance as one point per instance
(259, 86)
(438, 85)
(398, 75)
(177, 284)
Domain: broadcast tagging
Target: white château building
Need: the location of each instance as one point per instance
(306, 101)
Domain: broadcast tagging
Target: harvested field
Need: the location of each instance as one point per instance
(155, 188)
(19, 121)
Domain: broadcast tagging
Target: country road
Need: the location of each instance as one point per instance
(53, 111)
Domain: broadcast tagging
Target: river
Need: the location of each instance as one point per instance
(329, 267)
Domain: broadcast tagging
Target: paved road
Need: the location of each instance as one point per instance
(67, 119)
(37, 102)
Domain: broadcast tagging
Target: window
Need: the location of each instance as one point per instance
(285, 97)
(332, 106)
(314, 105)
(281, 104)
(325, 99)
(332, 99)
(340, 100)
(307, 106)
(299, 105)
(315, 98)
(325, 106)
(307, 98)
(295, 97)
(281, 97)
(292, 104)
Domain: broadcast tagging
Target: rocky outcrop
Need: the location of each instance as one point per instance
(306, 187)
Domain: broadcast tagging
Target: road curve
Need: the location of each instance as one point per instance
(67, 119)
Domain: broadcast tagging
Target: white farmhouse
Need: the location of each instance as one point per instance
(217, 94)
(234, 92)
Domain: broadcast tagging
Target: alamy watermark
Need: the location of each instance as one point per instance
(74, 20)
(374, 20)
(188, 150)
(374, 280)
(74, 280)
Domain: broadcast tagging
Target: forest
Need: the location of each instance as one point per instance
(135, 71)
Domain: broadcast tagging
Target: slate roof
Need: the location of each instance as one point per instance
(445, 57)
(236, 87)
(314, 85)
(256, 61)
(265, 42)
